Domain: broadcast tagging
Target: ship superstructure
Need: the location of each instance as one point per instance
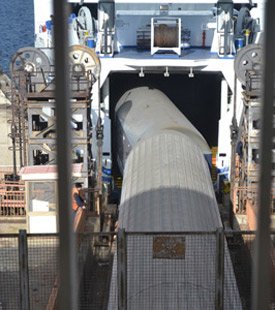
(165, 105)
(201, 54)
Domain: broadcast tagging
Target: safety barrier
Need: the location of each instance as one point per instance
(199, 270)
(28, 267)
(196, 270)
(12, 199)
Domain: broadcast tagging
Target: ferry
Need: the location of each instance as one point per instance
(204, 55)
(165, 102)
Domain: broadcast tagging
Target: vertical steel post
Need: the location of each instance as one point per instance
(262, 267)
(219, 287)
(99, 138)
(13, 127)
(122, 269)
(234, 135)
(67, 296)
(23, 270)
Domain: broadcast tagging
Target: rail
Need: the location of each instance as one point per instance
(252, 191)
(12, 199)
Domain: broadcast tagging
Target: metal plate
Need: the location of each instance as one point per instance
(248, 58)
(169, 247)
(85, 59)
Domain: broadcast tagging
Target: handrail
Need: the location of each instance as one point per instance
(12, 199)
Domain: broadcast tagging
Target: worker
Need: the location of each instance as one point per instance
(77, 200)
(239, 149)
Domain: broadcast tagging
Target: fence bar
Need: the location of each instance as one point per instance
(67, 295)
(23, 270)
(261, 276)
(164, 233)
(219, 269)
(122, 269)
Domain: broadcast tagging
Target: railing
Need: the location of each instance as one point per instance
(206, 270)
(12, 199)
(249, 192)
(43, 83)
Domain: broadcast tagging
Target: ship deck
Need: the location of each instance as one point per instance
(186, 54)
(199, 59)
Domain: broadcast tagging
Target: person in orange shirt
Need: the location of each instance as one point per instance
(77, 200)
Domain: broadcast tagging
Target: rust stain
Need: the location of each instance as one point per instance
(169, 247)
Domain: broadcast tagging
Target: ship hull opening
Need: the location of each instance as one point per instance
(198, 98)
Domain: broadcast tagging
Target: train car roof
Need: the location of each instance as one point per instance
(167, 187)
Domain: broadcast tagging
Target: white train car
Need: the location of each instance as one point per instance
(167, 188)
(142, 112)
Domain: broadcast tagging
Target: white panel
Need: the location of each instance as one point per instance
(42, 11)
(42, 224)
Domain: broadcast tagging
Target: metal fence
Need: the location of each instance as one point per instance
(12, 199)
(28, 270)
(9, 272)
(181, 271)
(193, 270)
(167, 271)
(42, 269)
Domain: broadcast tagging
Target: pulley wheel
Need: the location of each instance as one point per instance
(248, 58)
(31, 60)
(85, 18)
(83, 58)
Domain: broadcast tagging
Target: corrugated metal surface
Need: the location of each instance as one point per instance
(141, 118)
(177, 284)
(167, 187)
